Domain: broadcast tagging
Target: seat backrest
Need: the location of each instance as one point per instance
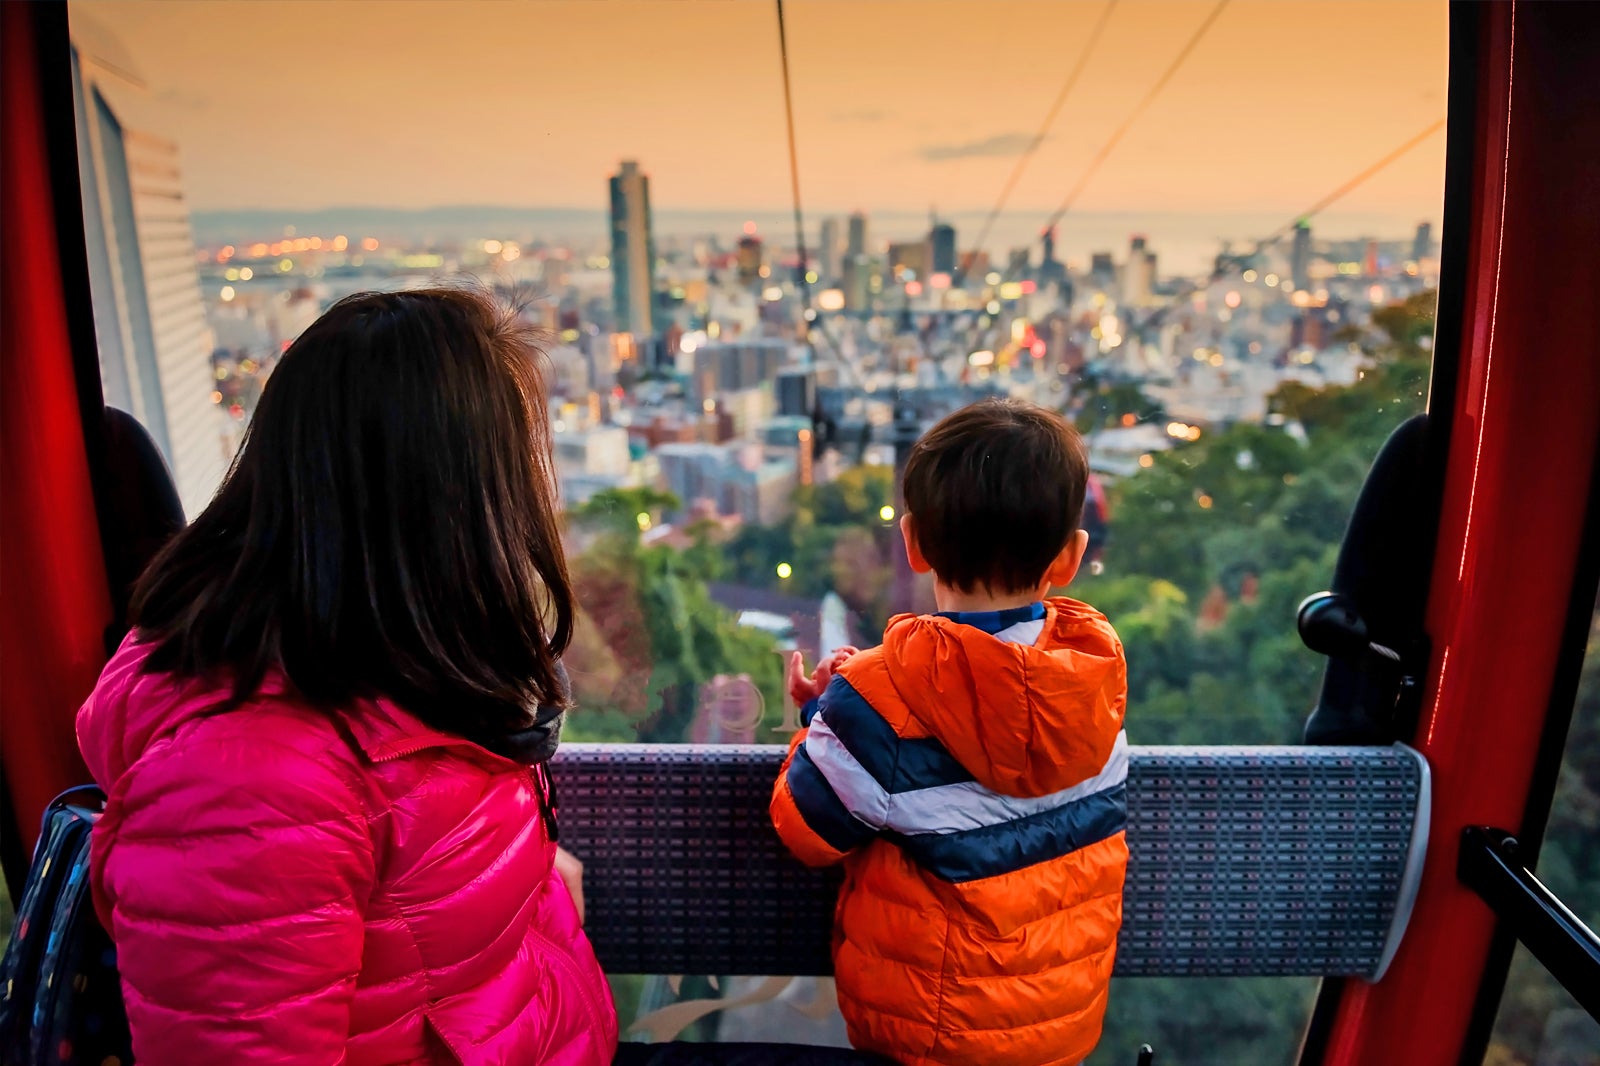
(1244, 861)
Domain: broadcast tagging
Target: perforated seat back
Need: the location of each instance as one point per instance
(1244, 861)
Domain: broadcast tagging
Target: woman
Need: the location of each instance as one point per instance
(329, 836)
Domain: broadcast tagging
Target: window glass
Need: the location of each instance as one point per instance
(1207, 235)
(1539, 1023)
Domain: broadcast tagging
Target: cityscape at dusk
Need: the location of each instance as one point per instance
(1206, 233)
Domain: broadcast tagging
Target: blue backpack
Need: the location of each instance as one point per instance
(60, 994)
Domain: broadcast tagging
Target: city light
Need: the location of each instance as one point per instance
(245, 273)
(992, 278)
(983, 358)
(1233, 299)
(492, 247)
(831, 299)
(1204, 501)
(749, 229)
(643, 519)
(993, 307)
(784, 571)
(369, 244)
(1011, 290)
(1250, 276)
(285, 265)
(340, 243)
(886, 512)
(913, 288)
(216, 397)
(1271, 280)
(811, 277)
(1147, 460)
(1375, 294)
(772, 294)
(227, 293)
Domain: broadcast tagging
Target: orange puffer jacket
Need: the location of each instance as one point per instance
(971, 773)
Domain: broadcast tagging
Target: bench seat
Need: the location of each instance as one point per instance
(1245, 861)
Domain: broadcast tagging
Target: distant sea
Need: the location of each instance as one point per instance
(1185, 243)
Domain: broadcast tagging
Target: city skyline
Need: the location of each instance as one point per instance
(293, 106)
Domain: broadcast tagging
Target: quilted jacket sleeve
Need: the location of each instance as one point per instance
(234, 873)
(811, 818)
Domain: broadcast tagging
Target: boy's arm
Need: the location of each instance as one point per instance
(812, 820)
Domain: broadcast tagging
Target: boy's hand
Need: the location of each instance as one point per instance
(803, 689)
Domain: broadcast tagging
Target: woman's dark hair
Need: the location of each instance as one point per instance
(389, 528)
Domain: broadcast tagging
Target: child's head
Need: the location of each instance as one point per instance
(994, 494)
(390, 526)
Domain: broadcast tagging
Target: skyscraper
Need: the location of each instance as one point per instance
(1138, 274)
(1300, 256)
(150, 323)
(1422, 245)
(1050, 268)
(858, 235)
(855, 280)
(943, 239)
(830, 250)
(633, 250)
(752, 257)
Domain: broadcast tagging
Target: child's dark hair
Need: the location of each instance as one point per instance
(390, 527)
(995, 491)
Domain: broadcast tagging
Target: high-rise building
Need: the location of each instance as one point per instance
(1138, 274)
(908, 260)
(857, 244)
(1300, 256)
(1422, 245)
(149, 320)
(751, 258)
(1019, 262)
(856, 279)
(830, 250)
(633, 250)
(1050, 268)
(942, 238)
(1102, 268)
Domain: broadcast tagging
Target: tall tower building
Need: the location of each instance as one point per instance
(857, 244)
(830, 249)
(942, 237)
(1300, 256)
(149, 320)
(1050, 268)
(1138, 274)
(633, 250)
(1422, 244)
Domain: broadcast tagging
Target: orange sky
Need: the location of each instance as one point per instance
(899, 105)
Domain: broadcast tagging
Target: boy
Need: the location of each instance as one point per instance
(971, 770)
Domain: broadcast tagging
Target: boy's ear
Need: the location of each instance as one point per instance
(1065, 567)
(908, 533)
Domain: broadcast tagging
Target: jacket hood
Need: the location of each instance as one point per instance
(1025, 720)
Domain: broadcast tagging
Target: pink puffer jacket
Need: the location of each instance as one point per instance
(286, 885)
